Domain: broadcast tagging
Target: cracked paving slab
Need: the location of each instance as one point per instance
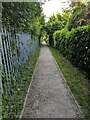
(49, 96)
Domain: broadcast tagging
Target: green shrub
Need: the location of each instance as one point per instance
(75, 45)
(12, 102)
(81, 48)
(56, 37)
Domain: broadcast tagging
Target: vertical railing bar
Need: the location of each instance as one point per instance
(3, 54)
(1, 88)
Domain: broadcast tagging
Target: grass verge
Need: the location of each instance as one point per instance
(77, 82)
(24, 79)
(12, 105)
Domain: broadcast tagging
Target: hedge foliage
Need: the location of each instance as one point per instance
(75, 45)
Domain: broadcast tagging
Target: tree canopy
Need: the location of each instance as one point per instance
(22, 16)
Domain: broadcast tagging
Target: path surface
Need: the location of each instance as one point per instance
(49, 96)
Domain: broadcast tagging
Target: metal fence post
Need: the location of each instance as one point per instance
(1, 88)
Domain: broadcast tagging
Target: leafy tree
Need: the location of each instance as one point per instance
(21, 15)
(56, 23)
(80, 15)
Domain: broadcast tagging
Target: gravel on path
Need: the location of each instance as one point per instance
(49, 96)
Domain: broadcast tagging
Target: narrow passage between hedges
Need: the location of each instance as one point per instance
(49, 95)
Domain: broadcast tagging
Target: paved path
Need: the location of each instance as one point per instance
(49, 96)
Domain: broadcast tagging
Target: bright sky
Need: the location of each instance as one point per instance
(54, 6)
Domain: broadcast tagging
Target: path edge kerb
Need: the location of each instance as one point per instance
(60, 72)
(20, 116)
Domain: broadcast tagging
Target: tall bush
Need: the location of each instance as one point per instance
(75, 45)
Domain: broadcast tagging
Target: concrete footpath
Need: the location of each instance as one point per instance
(48, 95)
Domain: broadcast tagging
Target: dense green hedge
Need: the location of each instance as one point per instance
(12, 104)
(75, 45)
